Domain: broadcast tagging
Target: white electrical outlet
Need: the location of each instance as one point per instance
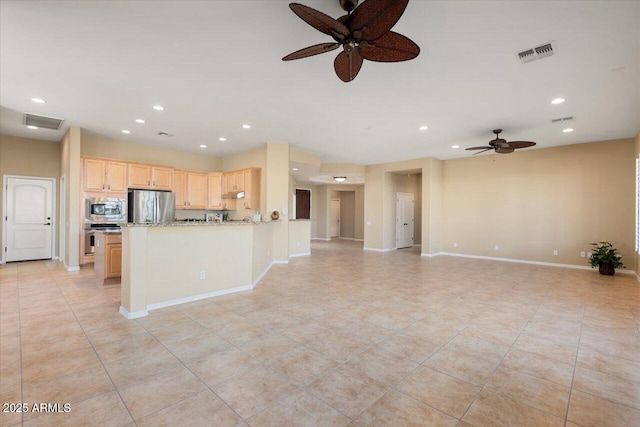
(284, 211)
(496, 247)
(555, 252)
(455, 244)
(298, 244)
(582, 254)
(203, 274)
(369, 223)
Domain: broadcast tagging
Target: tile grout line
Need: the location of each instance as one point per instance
(575, 367)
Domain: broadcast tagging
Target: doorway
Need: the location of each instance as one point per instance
(28, 223)
(303, 204)
(335, 218)
(404, 220)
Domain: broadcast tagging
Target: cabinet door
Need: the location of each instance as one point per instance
(117, 177)
(197, 190)
(230, 180)
(161, 178)
(247, 190)
(139, 176)
(215, 191)
(114, 260)
(252, 189)
(94, 175)
(180, 189)
(239, 177)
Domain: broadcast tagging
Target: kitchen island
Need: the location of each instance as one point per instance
(168, 264)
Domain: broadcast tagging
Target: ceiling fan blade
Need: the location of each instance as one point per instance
(521, 144)
(320, 21)
(391, 47)
(348, 64)
(480, 152)
(311, 50)
(374, 18)
(504, 150)
(479, 148)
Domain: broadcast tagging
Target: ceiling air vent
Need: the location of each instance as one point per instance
(534, 53)
(165, 134)
(562, 119)
(42, 122)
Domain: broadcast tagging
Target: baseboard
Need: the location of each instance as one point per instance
(346, 238)
(199, 297)
(424, 254)
(286, 261)
(524, 261)
(321, 239)
(133, 315)
(379, 250)
(300, 255)
(2, 261)
(71, 268)
(260, 276)
(417, 245)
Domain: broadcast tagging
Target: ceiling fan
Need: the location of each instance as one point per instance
(364, 33)
(501, 145)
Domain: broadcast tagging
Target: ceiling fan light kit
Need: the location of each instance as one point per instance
(364, 33)
(501, 146)
(340, 179)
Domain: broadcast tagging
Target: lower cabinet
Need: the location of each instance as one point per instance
(108, 256)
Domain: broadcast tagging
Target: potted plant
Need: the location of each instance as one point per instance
(605, 257)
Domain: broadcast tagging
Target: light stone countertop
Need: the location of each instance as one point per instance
(197, 224)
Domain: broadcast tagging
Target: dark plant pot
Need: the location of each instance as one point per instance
(606, 269)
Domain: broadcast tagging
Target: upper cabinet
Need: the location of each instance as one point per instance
(152, 177)
(247, 180)
(104, 176)
(214, 201)
(190, 189)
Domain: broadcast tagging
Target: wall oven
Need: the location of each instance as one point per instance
(105, 210)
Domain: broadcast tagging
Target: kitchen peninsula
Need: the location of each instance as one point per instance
(168, 264)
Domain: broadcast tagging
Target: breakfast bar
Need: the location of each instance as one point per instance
(174, 263)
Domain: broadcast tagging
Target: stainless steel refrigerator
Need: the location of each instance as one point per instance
(148, 206)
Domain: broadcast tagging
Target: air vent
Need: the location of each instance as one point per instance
(42, 122)
(165, 134)
(562, 119)
(535, 53)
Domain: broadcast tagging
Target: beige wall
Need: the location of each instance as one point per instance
(34, 158)
(96, 146)
(320, 212)
(299, 237)
(277, 196)
(532, 202)
(351, 210)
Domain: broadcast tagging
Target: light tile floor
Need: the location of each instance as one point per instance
(343, 337)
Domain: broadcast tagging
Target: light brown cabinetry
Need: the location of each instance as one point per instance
(151, 177)
(104, 176)
(247, 180)
(214, 201)
(190, 189)
(108, 257)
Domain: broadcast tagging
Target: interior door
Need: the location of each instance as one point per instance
(29, 219)
(404, 220)
(335, 218)
(303, 204)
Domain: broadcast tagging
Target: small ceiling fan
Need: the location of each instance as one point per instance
(501, 145)
(364, 33)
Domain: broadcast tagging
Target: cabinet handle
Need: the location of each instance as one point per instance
(148, 182)
(103, 186)
(154, 183)
(185, 203)
(108, 187)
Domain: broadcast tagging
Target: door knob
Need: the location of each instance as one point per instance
(47, 223)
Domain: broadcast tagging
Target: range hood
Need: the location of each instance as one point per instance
(234, 195)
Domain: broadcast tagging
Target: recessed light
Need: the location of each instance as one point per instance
(158, 107)
(455, 146)
(424, 127)
(567, 130)
(32, 127)
(125, 131)
(38, 100)
(203, 146)
(557, 101)
(246, 126)
(140, 121)
(294, 169)
(223, 139)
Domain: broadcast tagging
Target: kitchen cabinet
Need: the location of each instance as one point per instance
(108, 256)
(104, 176)
(214, 201)
(150, 177)
(190, 189)
(247, 180)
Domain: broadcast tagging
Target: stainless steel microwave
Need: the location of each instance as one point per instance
(105, 209)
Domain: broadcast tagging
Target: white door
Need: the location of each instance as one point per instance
(404, 220)
(29, 219)
(335, 218)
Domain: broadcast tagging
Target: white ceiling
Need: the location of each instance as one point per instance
(215, 65)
